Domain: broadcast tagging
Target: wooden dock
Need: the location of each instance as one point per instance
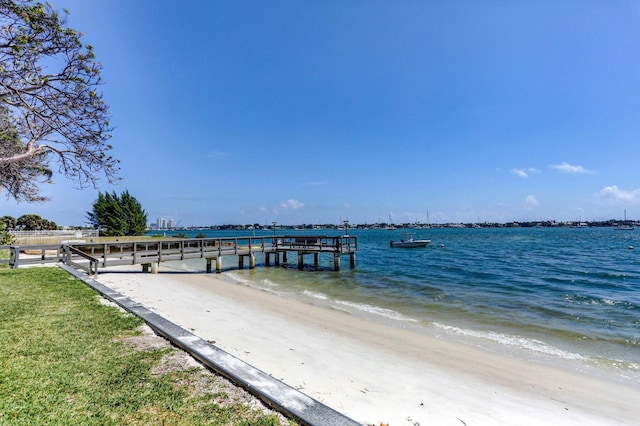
(150, 253)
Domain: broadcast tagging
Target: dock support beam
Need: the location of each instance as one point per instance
(300, 260)
(267, 259)
(352, 257)
(218, 260)
(148, 266)
(316, 259)
(336, 262)
(252, 261)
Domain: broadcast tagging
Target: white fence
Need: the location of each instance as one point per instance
(35, 237)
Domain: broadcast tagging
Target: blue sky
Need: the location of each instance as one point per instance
(320, 111)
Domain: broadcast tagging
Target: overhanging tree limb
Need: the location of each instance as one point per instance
(50, 106)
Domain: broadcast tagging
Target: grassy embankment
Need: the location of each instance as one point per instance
(66, 358)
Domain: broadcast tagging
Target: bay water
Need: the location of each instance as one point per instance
(569, 295)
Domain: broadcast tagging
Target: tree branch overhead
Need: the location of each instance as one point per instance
(50, 106)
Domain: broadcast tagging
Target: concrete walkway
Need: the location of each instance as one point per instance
(275, 393)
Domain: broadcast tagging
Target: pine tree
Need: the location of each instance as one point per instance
(118, 215)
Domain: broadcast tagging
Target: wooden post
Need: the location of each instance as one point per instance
(240, 262)
(145, 267)
(14, 257)
(252, 261)
(284, 257)
(208, 268)
(277, 261)
(336, 261)
(352, 256)
(218, 264)
(135, 252)
(316, 259)
(300, 260)
(267, 259)
(154, 267)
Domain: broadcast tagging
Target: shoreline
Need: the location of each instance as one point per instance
(373, 372)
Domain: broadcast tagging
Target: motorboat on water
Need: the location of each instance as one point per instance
(409, 242)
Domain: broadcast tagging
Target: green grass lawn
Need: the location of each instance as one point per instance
(4, 254)
(64, 359)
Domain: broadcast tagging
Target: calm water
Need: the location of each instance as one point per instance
(570, 294)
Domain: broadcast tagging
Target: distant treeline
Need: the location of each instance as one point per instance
(532, 224)
(28, 222)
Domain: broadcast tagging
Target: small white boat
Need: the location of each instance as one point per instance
(409, 242)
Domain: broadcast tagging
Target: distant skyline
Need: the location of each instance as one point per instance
(368, 111)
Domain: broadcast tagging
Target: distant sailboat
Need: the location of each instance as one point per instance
(390, 227)
(624, 226)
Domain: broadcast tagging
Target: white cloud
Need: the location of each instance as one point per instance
(523, 173)
(292, 204)
(531, 201)
(613, 193)
(565, 167)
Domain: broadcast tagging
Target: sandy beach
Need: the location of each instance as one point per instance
(376, 373)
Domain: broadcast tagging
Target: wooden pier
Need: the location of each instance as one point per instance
(150, 253)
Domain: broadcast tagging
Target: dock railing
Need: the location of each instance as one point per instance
(80, 260)
(91, 256)
(150, 251)
(341, 244)
(33, 254)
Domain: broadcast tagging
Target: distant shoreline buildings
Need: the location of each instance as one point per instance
(163, 224)
(168, 224)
